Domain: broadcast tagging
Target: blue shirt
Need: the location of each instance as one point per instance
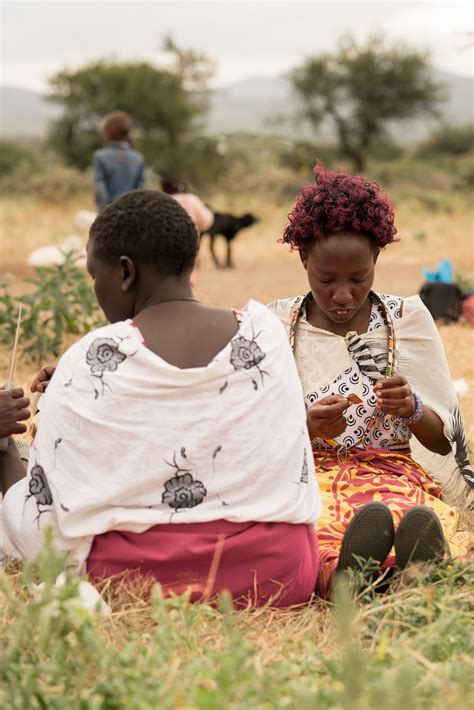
(117, 169)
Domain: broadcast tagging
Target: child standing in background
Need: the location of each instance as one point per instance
(201, 215)
(118, 168)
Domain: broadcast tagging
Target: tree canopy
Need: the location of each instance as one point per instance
(362, 89)
(163, 104)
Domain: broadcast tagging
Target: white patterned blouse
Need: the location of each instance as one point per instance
(366, 366)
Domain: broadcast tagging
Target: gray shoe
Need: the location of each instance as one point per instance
(419, 537)
(369, 535)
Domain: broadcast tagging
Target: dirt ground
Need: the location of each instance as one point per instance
(264, 269)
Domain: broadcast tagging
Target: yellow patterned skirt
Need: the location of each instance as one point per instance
(369, 475)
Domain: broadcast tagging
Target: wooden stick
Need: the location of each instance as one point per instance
(15, 348)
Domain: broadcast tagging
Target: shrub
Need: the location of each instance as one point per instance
(464, 179)
(198, 162)
(61, 303)
(301, 156)
(453, 140)
(14, 154)
(53, 183)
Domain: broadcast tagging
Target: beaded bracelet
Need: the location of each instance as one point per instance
(417, 414)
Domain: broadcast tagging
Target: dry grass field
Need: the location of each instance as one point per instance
(411, 648)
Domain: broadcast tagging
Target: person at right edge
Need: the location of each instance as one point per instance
(376, 381)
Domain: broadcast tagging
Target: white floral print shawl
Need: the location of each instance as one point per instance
(330, 364)
(127, 441)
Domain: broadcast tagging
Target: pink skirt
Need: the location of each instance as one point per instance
(258, 563)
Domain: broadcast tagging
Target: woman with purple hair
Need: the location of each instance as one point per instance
(375, 381)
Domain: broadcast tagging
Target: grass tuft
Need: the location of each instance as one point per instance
(411, 647)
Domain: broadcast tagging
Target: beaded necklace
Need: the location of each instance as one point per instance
(375, 298)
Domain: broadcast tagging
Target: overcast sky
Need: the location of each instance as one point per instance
(259, 38)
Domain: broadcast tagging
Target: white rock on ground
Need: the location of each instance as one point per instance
(83, 220)
(56, 254)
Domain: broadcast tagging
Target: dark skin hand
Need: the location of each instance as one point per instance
(13, 411)
(42, 379)
(326, 417)
(395, 397)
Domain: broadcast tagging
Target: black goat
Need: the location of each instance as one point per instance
(228, 226)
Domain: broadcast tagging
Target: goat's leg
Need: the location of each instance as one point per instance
(229, 263)
(216, 261)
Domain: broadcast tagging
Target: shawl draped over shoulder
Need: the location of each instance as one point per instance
(322, 356)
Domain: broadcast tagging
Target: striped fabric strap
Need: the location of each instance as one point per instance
(365, 359)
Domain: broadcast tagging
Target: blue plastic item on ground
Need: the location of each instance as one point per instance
(442, 274)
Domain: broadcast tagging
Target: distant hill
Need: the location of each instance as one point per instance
(24, 113)
(255, 105)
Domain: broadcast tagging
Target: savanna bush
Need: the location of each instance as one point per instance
(48, 181)
(14, 154)
(449, 139)
(60, 303)
(464, 176)
(301, 155)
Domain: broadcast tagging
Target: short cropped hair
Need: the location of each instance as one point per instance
(117, 124)
(149, 227)
(340, 202)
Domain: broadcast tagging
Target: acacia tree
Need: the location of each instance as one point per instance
(165, 104)
(196, 68)
(362, 89)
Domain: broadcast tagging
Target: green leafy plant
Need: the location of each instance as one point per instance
(52, 182)
(449, 139)
(14, 153)
(410, 647)
(61, 303)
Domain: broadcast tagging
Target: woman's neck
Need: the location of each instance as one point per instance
(167, 290)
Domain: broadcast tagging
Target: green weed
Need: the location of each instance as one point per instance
(61, 303)
(411, 647)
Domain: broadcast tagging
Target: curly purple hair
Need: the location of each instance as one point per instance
(340, 202)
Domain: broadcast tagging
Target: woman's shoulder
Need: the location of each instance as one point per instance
(258, 312)
(284, 307)
(400, 306)
(108, 337)
(394, 304)
(255, 318)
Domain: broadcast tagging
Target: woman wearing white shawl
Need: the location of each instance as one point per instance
(376, 381)
(175, 436)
